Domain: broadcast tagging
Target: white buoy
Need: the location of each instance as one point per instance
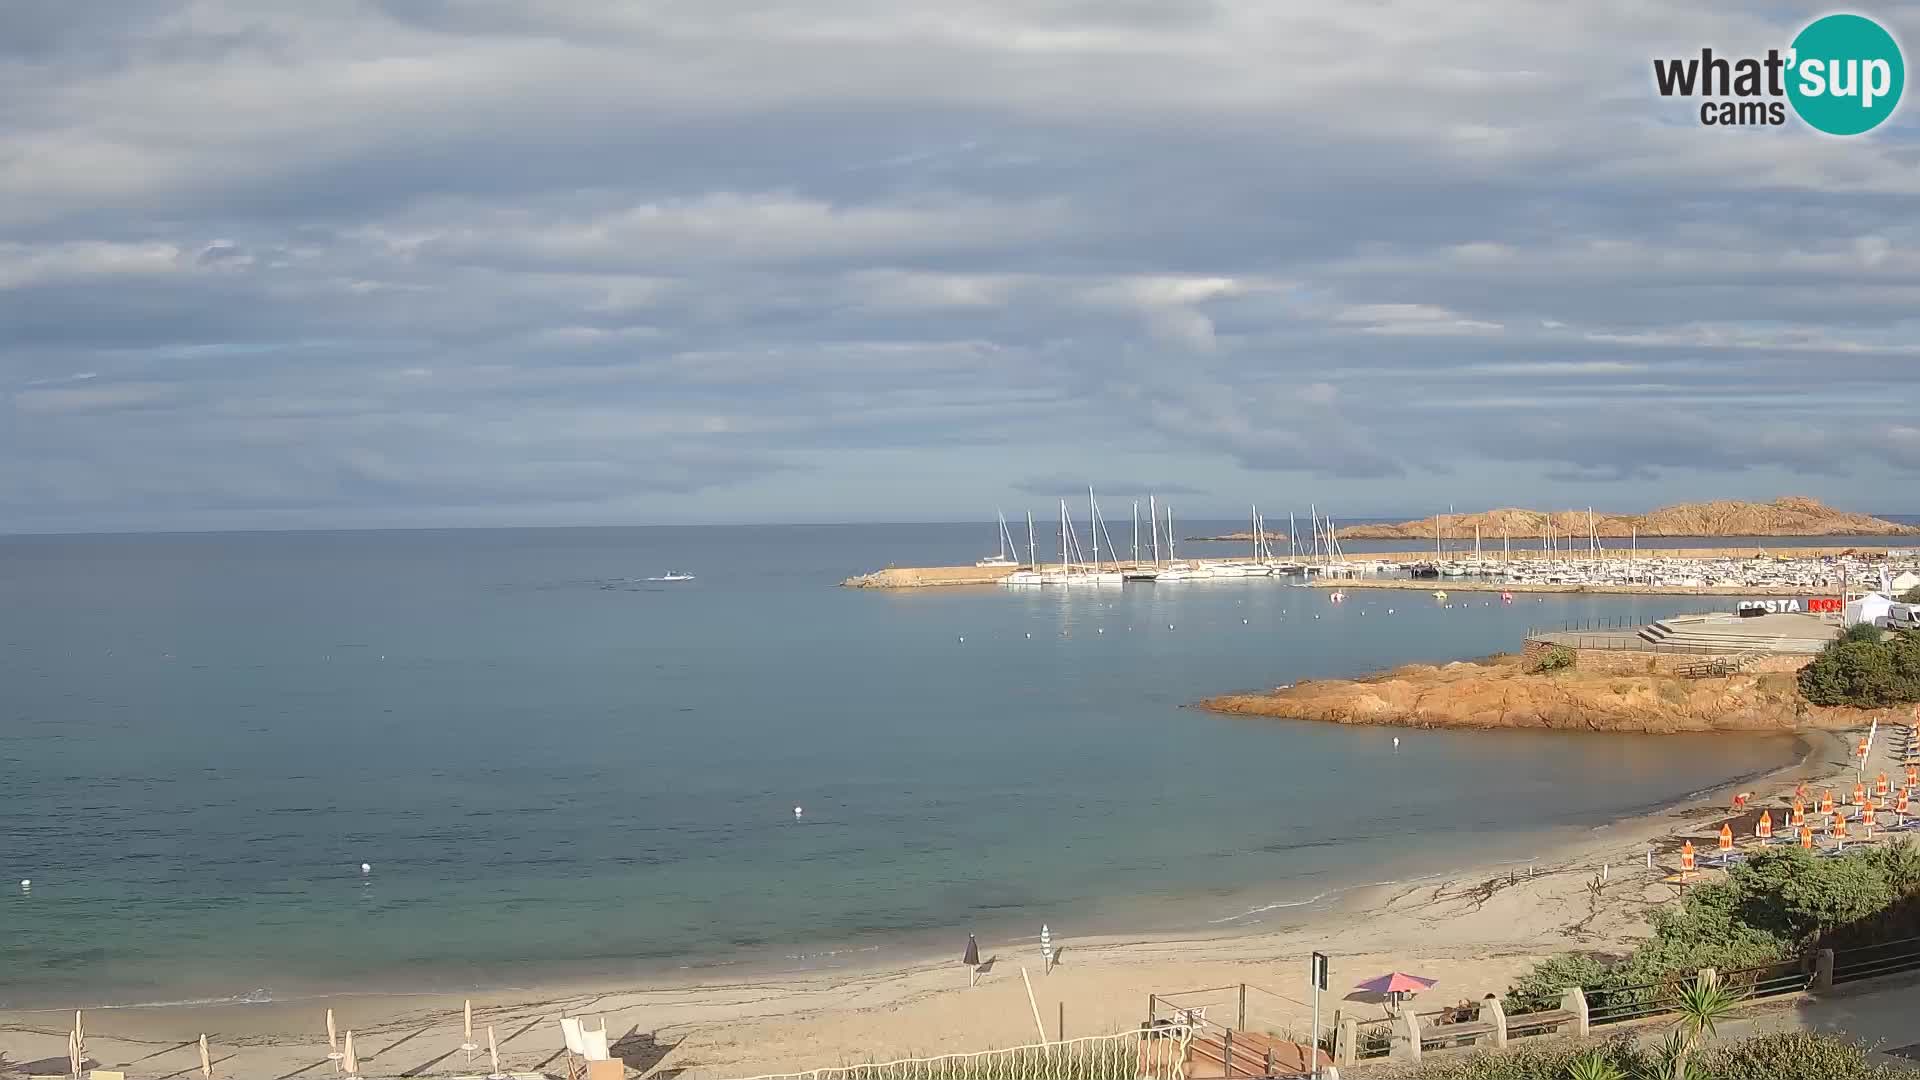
(1029, 635)
(1169, 626)
(796, 813)
(1101, 630)
(26, 884)
(1389, 611)
(1243, 622)
(366, 868)
(1396, 742)
(963, 639)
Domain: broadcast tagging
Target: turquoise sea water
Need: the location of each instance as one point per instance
(555, 767)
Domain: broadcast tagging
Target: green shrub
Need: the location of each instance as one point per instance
(1864, 668)
(1911, 596)
(1541, 988)
(1794, 1055)
(1558, 658)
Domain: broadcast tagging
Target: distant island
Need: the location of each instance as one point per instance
(1793, 515)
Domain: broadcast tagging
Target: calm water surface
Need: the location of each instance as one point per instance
(556, 767)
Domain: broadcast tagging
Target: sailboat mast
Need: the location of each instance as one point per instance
(1033, 552)
(1170, 555)
(1093, 525)
(1136, 532)
(1293, 538)
(1153, 522)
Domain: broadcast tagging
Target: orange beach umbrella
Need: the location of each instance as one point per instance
(1859, 793)
(1799, 813)
(1686, 858)
(1880, 786)
(1726, 838)
(1826, 802)
(1806, 837)
(1913, 775)
(1764, 830)
(1901, 804)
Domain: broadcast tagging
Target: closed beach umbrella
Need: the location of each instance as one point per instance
(1764, 830)
(1726, 838)
(80, 1032)
(1806, 838)
(1046, 949)
(1799, 813)
(333, 1038)
(73, 1050)
(466, 1021)
(206, 1059)
(1826, 802)
(1900, 807)
(1859, 793)
(493, 1050)
(972, 956)
(1913, 775)
(348, 1061)
(1686, 859)
(1880, 786)
(1866, 817)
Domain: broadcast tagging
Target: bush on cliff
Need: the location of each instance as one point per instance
(1786, 1055)
(1558, 658)
(1865, 668)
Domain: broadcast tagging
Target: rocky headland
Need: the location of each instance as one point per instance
(1499, 692)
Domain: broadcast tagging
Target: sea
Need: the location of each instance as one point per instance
(554, 768)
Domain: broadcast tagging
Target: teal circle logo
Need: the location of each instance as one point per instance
(1847, 74)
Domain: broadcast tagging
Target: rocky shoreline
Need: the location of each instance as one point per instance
(1499, 692)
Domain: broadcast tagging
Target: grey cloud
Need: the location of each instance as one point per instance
(436, 257)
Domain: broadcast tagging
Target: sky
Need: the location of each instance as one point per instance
(395, 263)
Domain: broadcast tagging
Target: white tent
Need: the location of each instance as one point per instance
(1865, 609)
(1904, 580)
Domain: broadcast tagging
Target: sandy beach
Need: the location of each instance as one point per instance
(1473, 931)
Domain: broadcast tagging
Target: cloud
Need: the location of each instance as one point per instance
(419, 262)
(1061, 486)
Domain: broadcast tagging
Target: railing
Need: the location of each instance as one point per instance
(1872, 961)
(1151, 1053)
(1616, 622)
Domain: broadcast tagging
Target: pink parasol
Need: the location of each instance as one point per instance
(1397, 983)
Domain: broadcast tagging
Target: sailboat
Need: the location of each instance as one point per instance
(1146, 573)
(1031, 575)
(1176, 570)
(1096, 528)
(1005, 557)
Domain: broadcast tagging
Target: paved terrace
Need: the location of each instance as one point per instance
(1719, 633)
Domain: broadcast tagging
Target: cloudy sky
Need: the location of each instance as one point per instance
(278, 263)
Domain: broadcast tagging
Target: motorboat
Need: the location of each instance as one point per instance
(672, 575)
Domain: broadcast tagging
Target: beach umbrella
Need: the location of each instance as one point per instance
(206, 1059)
(80, 1032)
(1726, 838)
(73, 1050)
(1880, 786)
(1859, 793)
(1913, 775)
(466, 1030)
(1046, 949)
(1900, 807)
(971, 958)
(347, 1060)
(493, 1052)
(1396, 986)
(1806, 838)
(1826, 802)
(1686, 859)
(1799, 813)
(1764, 830)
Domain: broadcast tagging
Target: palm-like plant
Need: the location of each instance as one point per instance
(1701, 1007)
(1593, 1065)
